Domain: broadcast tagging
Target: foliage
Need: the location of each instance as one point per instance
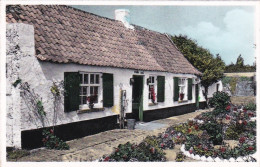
(220, 100)
(16, 154)
(211, 67)
(251, 106)
(40, 108)
(239, 66)
(215, 131)
(180, 157)
(232, 133)
(132, 152)
(53, 142)
(18, 81)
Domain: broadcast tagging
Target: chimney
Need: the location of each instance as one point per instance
(123, 15)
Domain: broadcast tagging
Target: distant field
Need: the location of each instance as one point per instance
(239, 100)
(240, 74)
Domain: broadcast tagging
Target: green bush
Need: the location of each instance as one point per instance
(220, 100)
(145, 151)
(53, 142)
(215, 131)
(232, 132)
(251, 106)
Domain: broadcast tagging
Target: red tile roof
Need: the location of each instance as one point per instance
(67, 35)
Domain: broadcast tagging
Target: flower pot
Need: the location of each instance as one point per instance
(181, 96)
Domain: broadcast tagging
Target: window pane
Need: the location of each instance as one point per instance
(97, 79)
(84, 99)
(81, 79)
(152, 79)
(81, 91)
(85, 90)
(91, 90)
(92, 76)
(85, 78)
(95, 90)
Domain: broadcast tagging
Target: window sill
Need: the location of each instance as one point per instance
(183, 101)
(90, 110)
(152, 104)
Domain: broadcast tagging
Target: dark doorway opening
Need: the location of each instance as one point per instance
(137, 98)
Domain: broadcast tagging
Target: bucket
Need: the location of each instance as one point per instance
(130, 124)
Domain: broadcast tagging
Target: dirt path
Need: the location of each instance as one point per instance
(91, 148)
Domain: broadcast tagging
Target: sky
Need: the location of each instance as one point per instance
(225, 30)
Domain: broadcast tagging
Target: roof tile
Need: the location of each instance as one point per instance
(64, 35)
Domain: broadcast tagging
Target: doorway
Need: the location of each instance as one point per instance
(137, 97)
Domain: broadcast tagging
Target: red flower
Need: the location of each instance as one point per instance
(152, 150)
(227, 117)
(250, 148)
(244, 110)
(196, 127)
(242, 139)
(228, 107)
(106, 159)
(189, 130)
(222, 149)
(235, 109)
(172, 132)
(166, 135)
(162, 145)
(51, 130)
(190, 123)
(245, 122)
(190, 151)
(199, 146)
(206, 149)
(116, 150)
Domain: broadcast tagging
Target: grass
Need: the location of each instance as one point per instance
(16, 154)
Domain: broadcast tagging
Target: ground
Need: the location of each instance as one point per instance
(91, 148)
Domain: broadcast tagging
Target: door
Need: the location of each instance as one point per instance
(197, 95)
(137, 97)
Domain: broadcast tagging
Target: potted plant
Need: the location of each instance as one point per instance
(91, 100)
(153, 95)
(181, 96)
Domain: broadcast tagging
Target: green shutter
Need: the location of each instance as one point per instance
(108, 90)
(189, 89)
(71, 94)
(160, 88)
(176, 88)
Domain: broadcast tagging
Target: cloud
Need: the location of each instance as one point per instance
(234, 38)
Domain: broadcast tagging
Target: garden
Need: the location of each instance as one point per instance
(226, 134)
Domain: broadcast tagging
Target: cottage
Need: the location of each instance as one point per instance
(110, 70)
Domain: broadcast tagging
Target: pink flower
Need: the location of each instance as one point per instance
(166, 135)
(190, 151)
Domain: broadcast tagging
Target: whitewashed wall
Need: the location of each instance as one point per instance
(22, 63)
(213, 88)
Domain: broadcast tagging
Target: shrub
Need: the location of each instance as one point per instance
(250, 106)
(180, 157)
(232, 133)
(53, 142)
(215, 131)
(142, 152)
(219, 100)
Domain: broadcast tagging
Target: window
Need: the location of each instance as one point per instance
(152, 89)
(183, 88)
(89, 88)
(83, 88)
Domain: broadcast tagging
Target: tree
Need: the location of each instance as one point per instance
(201, 58)
(239, 66)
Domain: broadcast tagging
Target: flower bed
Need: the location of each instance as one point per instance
(207, 137)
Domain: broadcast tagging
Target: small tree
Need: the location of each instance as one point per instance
(211, 67)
